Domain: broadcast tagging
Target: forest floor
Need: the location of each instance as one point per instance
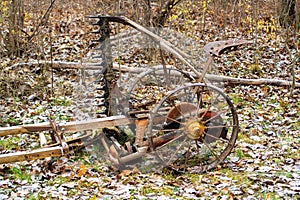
(264, 164)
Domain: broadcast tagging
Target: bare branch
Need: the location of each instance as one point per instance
(123, 68)
(43, 21)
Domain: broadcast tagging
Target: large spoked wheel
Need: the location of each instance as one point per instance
(193, 128)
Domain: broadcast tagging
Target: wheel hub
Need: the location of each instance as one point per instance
(195, 129)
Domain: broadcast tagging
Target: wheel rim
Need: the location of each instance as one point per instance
(193, 128)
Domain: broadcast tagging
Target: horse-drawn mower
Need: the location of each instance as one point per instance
(188, 124)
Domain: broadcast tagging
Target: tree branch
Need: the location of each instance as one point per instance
(165, 11)
(123, 68)
(42, 22)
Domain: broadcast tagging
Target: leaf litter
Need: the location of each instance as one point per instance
(264, 164)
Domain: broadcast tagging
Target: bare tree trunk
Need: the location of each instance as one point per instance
(289, 13)
(16, 21)
(147, 12)
(289, 18)
(297, 14)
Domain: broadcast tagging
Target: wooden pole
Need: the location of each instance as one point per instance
(69, 126)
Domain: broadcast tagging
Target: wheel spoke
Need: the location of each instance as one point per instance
(220, 126)
(199, 105)
(211, 150)
(176, 138)
(219, 138)
(171, 130)
(186, 157)
(169, 118)
(177, 149)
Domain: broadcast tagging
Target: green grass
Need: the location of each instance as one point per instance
(10, 143)
(239, 177)
(163, 190)
(244, 138)
(295, 125)
(20, 173)
(34, 197)
(270, 195)
(58, 180)
(236, 98)
(11, 121)
(62, 101)
(239, 153)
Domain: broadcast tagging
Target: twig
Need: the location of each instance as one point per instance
(36, 30)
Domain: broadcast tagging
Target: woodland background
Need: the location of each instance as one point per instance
(265, 163)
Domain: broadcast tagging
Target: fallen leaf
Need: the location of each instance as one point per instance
(82, 171)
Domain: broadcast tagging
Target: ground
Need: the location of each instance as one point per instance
(264, 164)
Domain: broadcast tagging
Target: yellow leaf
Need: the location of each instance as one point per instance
(82, 171)
(93, 198)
